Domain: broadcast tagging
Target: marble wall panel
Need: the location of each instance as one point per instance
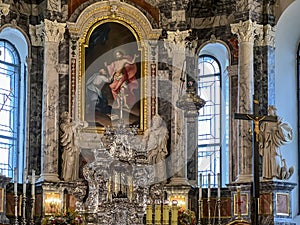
(264, 76)
(35, 111)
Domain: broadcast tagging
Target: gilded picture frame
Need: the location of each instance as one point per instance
(112, 83)
(243, 204)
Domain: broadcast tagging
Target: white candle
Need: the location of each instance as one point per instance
(15, 181)
(200, 186)
(33, 183)
(219, 185)
(24, 182)
(208, 190)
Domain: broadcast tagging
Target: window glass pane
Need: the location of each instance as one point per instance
(9, 88)
(209, 120)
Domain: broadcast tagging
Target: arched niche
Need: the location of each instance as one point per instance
(100, 30)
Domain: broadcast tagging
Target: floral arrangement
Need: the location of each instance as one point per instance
(186, 217)
(69, 218)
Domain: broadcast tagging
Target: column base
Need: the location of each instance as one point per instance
(176, 181)
(178, 190)
(274, 202)
(244, 178)
(50, 177)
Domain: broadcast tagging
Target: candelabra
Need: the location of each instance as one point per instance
(219, 198)
(219, 210)
(24, 199)
(32, 210)
(200, 211)
(208, 208)
(16, 222)
(200, 201)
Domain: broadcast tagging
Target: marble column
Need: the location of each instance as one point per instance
(176, 50)
(53, 35)
(246, 32)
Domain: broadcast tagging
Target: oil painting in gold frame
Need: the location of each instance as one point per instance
(112, 84)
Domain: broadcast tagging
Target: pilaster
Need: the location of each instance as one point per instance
(264, 67)
(233, 87)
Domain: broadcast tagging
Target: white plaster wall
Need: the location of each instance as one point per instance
(287, 38)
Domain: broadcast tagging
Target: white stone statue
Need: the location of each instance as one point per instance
(70, 156)
(155, 143)
(272, 136)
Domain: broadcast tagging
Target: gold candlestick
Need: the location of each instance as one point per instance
(149, 214)
(166, 213)
(200, 201)
(130, 187)
(208, 200)
(174, 215)
(157, 217)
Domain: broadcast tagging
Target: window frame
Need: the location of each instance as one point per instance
(13, 137)
(19, 40)
(213, 172)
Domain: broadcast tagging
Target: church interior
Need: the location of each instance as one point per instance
(155, 112)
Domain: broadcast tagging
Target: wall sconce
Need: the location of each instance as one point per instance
(52, 203)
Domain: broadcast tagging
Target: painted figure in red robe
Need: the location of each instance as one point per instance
(123, 71)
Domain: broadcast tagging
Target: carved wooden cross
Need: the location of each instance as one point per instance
(256, 121)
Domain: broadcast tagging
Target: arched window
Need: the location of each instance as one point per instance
(213, 119)
(12, 101)
(9, 91)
